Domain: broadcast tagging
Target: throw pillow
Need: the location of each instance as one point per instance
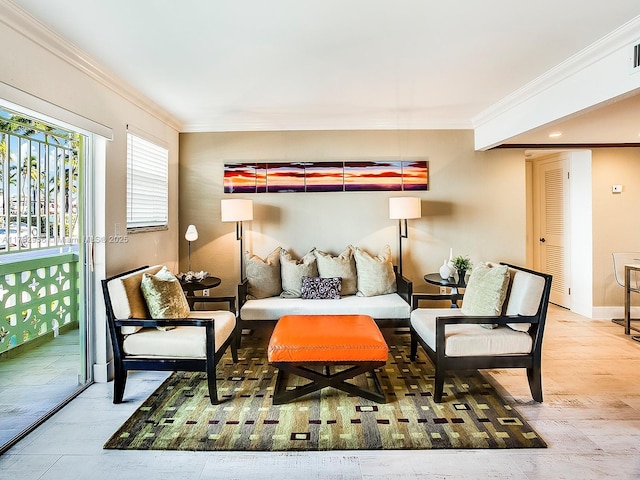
(164, 296)
(343, 266)
(263, 275)
(137, 303)
(375, 274)
(318, 288)
(486, 291)
(292, 271)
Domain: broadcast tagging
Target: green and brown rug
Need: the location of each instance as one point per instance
(179, 415)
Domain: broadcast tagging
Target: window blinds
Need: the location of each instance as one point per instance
(147, 183)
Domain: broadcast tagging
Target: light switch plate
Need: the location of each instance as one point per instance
(616, 189)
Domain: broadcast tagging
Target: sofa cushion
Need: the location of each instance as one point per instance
(343, 266)
(126, 297)
(292, 270)
(180, 342)
(525, 292)
(164, 296)
(468, 340)
(318, 288)
(486, 291)
(375, 274)
(390, 306)
(263, 276)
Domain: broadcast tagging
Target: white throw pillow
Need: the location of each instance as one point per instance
(343, 266)
(486, 291)
(375, 274)
(292, 270)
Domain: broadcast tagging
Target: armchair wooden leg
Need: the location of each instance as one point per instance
(213, 389)
(438, 386)
(119, 382)
(234, 347)
(414, 346)
(535, 383)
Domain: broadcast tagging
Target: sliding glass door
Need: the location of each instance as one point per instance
(43, 296)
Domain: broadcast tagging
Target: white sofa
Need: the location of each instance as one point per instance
(279, 292)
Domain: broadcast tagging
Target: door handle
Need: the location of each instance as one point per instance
(542, 240)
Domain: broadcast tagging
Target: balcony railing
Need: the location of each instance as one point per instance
(38, 297)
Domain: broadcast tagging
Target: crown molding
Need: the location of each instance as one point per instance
(325, 124)
(26, 25)
(624, 36)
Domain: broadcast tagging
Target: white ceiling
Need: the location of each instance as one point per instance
(225, 65)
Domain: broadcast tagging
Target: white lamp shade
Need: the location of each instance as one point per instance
(236, 210)
(191, 235)
(405, 207)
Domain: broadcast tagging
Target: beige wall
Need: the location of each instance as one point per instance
(615, 218)
(32, 68)
(475, 203)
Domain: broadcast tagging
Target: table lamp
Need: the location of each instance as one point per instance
(403, 208)
(191, 235)
(237, 210)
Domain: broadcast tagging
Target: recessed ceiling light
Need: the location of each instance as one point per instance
(555, 134)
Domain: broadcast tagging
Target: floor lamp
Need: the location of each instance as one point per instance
(403, 208)
(237, 210)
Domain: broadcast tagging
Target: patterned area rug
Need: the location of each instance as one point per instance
(179, 416)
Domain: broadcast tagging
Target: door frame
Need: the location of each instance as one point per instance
(581, 224)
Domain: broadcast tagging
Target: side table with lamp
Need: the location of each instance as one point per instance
(192, 282)
(451, 282)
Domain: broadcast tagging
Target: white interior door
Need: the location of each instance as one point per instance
(552, 252)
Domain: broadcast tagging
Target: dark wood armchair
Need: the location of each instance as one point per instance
(458, 342)
(196, 343)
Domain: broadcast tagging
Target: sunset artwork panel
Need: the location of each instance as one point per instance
(324, 176)
(363, 176)
(285, 177)
(239, 178)
(415, 175)
(350, 176)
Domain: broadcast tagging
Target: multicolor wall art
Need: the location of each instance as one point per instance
(351, 176)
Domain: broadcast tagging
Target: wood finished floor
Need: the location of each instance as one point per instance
(590, 419)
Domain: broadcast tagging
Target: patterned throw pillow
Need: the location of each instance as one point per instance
(319, 288)
(164, 296)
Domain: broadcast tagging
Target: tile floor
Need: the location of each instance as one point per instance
(36, 381)
(590, 419)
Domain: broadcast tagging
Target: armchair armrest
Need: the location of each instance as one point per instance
(231, 301)
(169, 322)
(405, 287)
(243, 291)
(418, 297)
(500, 320)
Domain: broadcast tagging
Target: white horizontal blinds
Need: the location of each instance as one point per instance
(147, 183)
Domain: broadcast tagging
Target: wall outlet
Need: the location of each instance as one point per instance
(205, 292)
(443, 290)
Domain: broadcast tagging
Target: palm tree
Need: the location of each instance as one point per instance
(53, 171)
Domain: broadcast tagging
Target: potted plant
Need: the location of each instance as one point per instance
(461, 264)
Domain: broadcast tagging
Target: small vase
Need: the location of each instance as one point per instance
(461, 275)
(445, 270)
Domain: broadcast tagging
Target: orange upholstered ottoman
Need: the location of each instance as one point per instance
(309, 345)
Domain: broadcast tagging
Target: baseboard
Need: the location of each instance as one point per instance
(102, 372)
(607, 313)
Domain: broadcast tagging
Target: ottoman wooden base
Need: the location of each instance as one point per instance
(311, 346)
